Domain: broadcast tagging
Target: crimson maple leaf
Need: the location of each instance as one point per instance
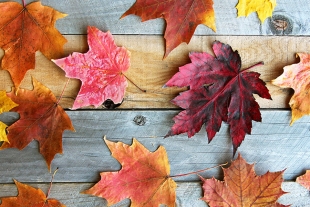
(100, 70)
(182, 17)
(219, 91)
(41, 118)
(25, 30)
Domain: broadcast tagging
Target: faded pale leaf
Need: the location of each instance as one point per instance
(100, 70)
(25, 30)
(29, 197)
(304, 180)
(264, 8)
(182, 17)
(144, 177)
(242, 187)
(297, 77)
(41, 119)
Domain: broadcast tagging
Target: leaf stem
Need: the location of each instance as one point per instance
(63, 90)
(24, 3)
(199, 171)
(49, 189)
(257, 64)
(144, 91)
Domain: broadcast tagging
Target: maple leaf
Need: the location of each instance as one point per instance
(304, 180)
(264, 8)
(219, 91)
(297, 76)
(6, 104)
(25, 30)
(100, 70)
(144, 177)
(41, 118)
(182, 17)
(242, 187)
(29, 197)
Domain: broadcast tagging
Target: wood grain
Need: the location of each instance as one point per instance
(273, 145)
(105, 14)
(150, 72)
(188, 194)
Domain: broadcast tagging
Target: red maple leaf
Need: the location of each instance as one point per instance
(41, 119)
(25, 30)
(182, 17)
(219, 91)
(100, 70)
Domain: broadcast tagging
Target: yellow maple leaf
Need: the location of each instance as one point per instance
(6, 104)
(264, 8)
(297, 76)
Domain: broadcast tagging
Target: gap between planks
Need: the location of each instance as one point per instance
(150, 72)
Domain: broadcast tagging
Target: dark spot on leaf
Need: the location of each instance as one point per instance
(140, 120)
(280, 25)
(109, 104)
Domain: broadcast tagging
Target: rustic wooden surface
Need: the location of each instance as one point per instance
(273, 145)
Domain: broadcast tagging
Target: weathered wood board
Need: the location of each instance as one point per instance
(147, 116)
(188, 194)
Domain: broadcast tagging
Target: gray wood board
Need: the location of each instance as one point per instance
(188, 194)
(273, 145)
(105, 14)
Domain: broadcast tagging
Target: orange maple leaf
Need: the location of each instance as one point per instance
(297, 76)
(144, 177)
(304, 180)
(29, 197)
(25, 30)
(41, 118)
(242, 187)
(182, 17)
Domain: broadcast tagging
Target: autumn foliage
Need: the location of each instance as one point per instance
(219, 91)
(41, 119)
(144, 177)
(100, 70)
(182, 17)
(242, 187)
(25, 30)
(29, 197)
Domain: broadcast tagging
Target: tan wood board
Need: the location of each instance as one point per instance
(150, 72)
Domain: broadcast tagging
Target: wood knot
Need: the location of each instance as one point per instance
(280, 25)
(140, 120)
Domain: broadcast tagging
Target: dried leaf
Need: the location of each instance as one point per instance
(41, 119)
(219, 91)
(100, 70)
(297, 77)
(29, 197)
(25, 30)
(144, 177)
(182, 17)
(242, 187)
(304, 180)
(264, 8)
(6, 104)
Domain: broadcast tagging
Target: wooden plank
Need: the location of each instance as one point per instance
(105, 14)
(273, 145)
(188, 194)
(150, 72)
